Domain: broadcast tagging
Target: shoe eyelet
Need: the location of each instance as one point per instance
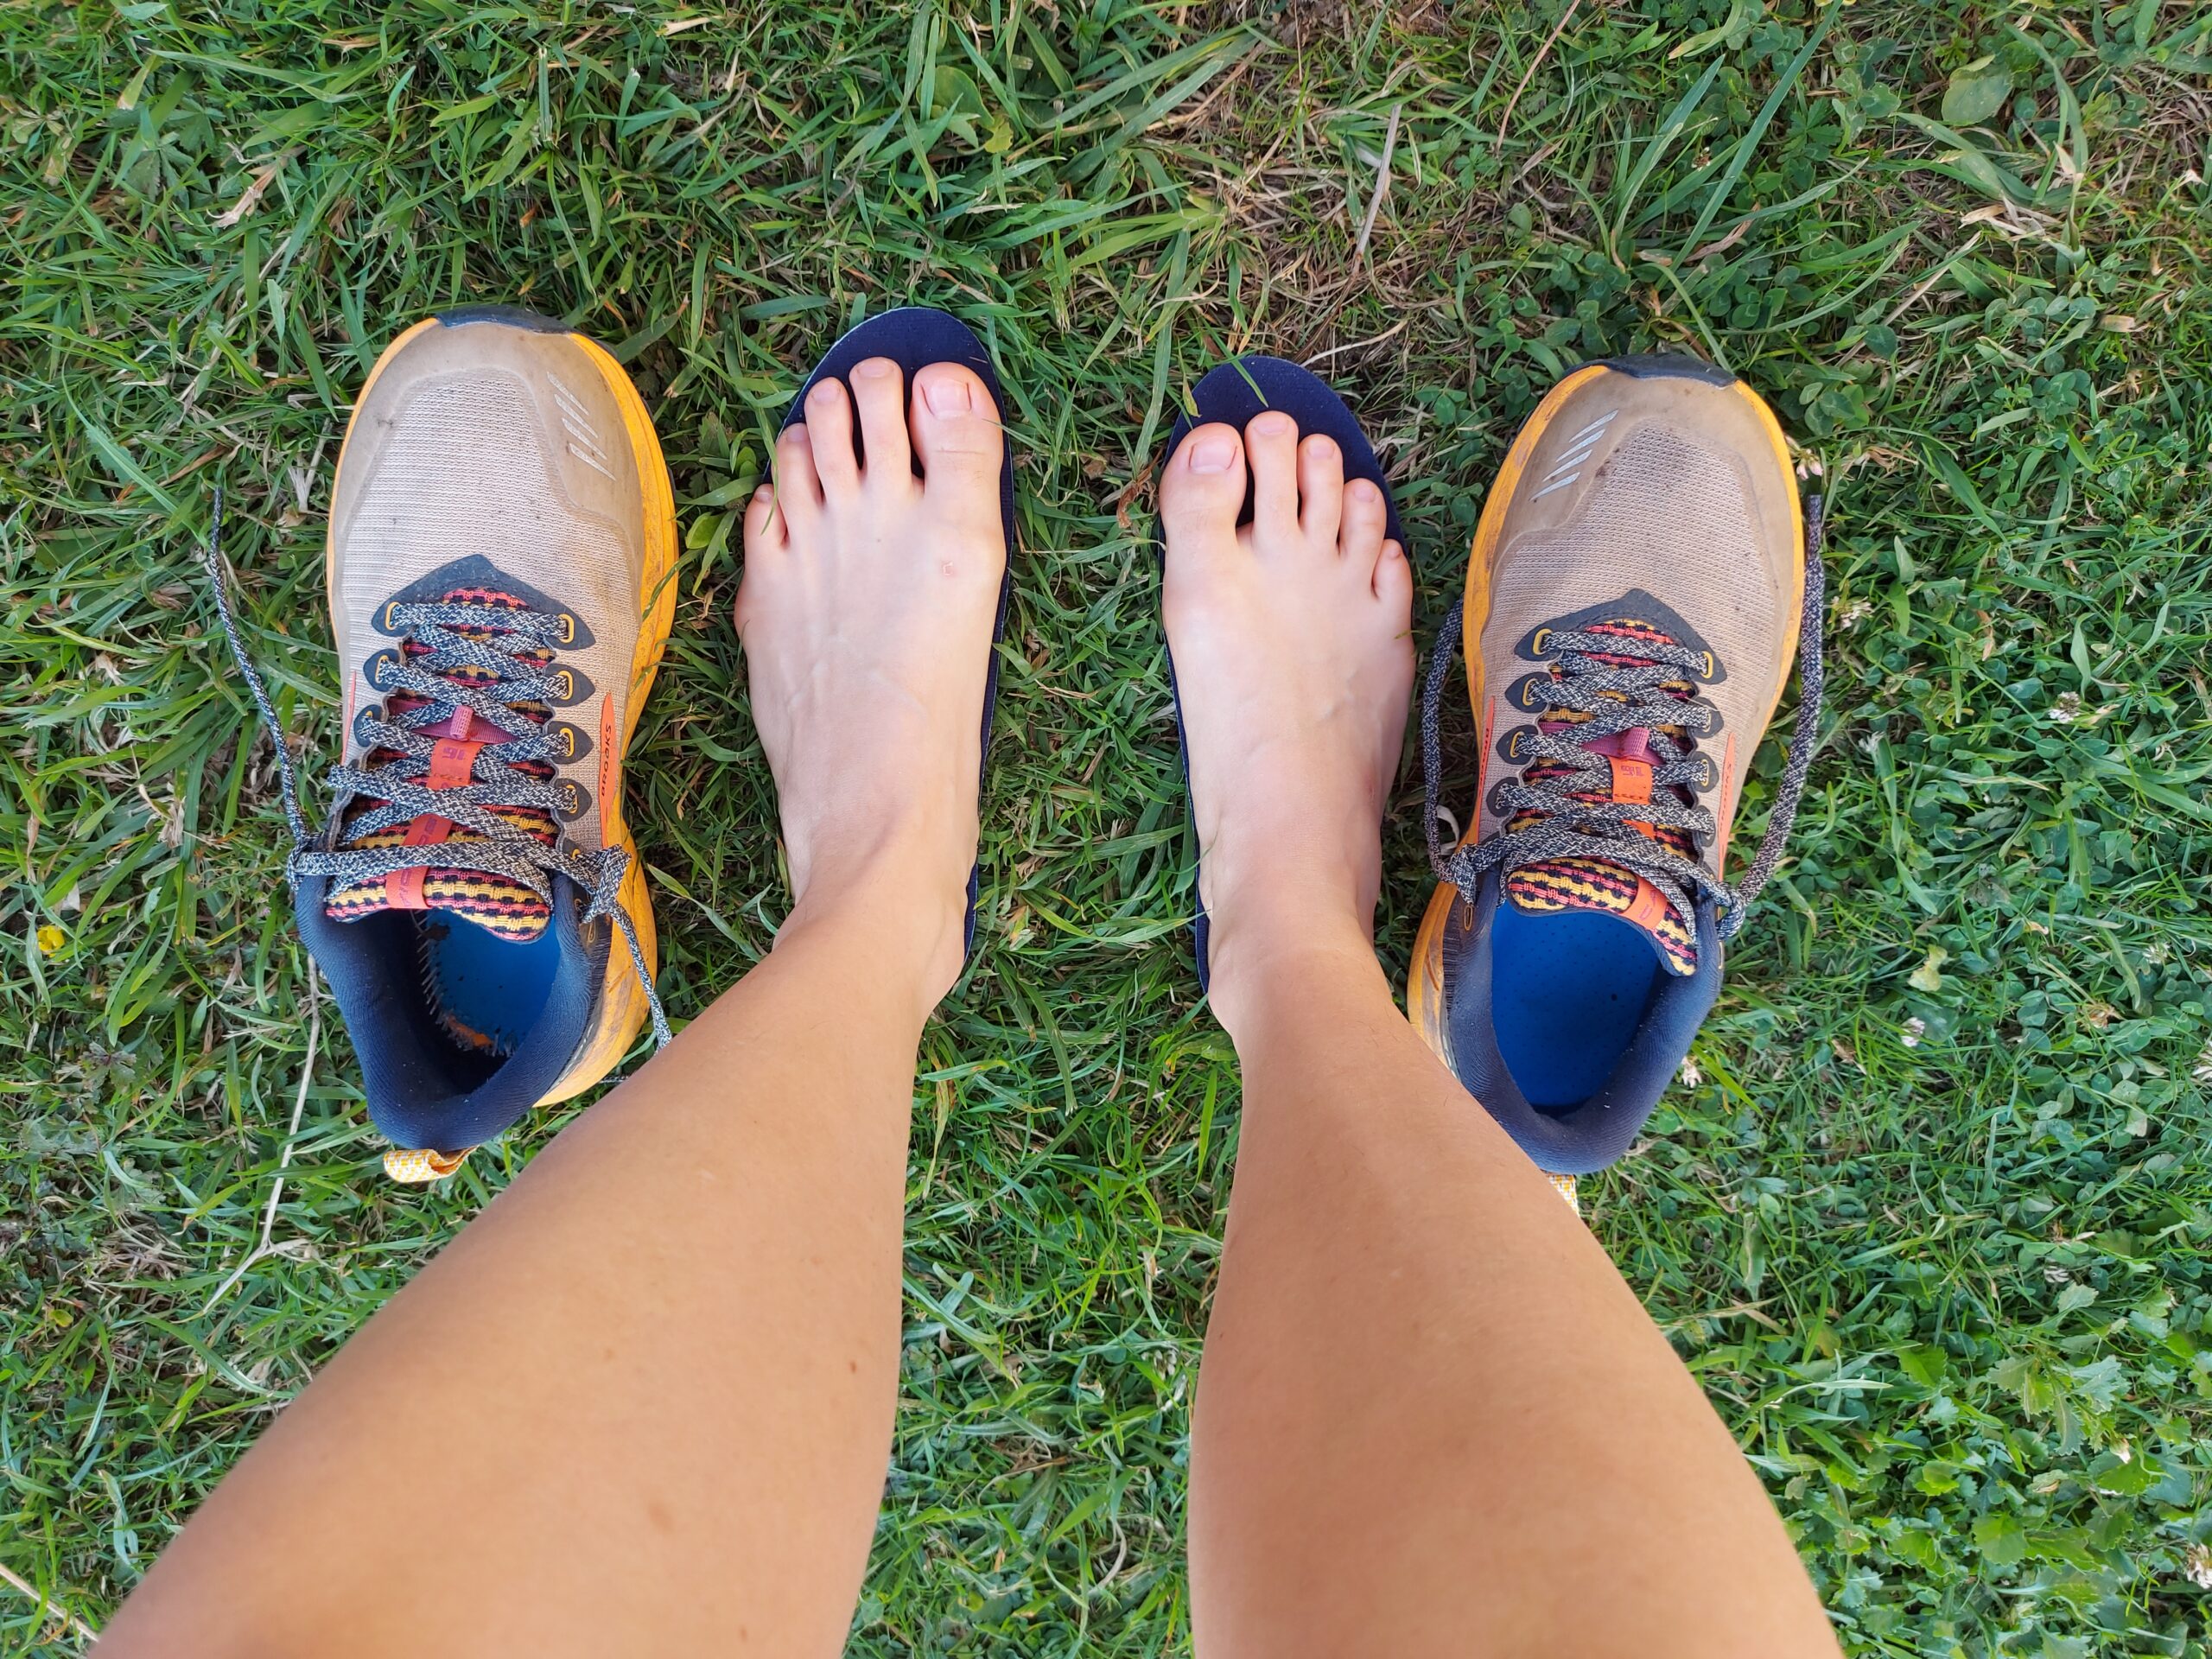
(1539, 642)
(391, 616)
(1521, 694)
(568, 741)
(1710, 667)
(567, 682)
(568, 634)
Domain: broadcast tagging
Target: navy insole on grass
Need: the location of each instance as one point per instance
(913, 337)
(1569, 989)
(481, 983)
(1234, 393)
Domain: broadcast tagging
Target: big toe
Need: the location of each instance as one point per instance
(1203, 490)
(956, 433)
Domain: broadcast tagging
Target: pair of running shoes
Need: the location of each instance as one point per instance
(500, 570)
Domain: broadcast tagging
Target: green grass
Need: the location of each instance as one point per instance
(1929, 1216)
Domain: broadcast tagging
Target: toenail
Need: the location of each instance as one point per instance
(1321, 448)
(1363, 489)
(825, 394)
(1215, 451)
(1273, 422)
(874, 369)
(948, 395)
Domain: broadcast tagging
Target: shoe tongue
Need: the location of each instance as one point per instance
(1592, 882)
(499, 905)
(1555, 885)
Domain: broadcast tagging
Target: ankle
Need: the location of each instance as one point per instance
(1271, 959)
(862, 847)
(905, 896)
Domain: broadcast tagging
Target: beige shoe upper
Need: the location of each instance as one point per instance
(489, 439)
(1668, 487)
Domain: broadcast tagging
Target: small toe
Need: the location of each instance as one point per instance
(1393, 583)
(879, 399)
(830, 423)
(798, 486)
(1271, 441)
(1366, 521)
(1202, 489)
(766, 529)
(1320, 489)
(767, 540)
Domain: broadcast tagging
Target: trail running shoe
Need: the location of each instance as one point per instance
(500, 567)
(1640, 578)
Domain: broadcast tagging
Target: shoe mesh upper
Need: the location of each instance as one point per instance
(497, 903)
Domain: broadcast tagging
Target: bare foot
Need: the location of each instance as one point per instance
(1293, 660)
(865, 615)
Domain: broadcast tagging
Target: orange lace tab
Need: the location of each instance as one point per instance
(1632, 780)
(453, 763)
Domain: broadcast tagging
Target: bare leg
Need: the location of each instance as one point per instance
(1432, 1417)
(643, 1405)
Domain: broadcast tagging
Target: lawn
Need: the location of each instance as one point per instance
(1927, 1213)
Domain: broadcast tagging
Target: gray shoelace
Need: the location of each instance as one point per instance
(505, 849)
(1571, 828)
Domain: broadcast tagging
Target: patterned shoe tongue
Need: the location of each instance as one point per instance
(497, 903)
(1604, 884)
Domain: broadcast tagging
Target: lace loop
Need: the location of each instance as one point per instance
(1615, 699)
(503, 850)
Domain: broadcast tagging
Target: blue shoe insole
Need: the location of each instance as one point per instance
(1569, 989)
(482, 983)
